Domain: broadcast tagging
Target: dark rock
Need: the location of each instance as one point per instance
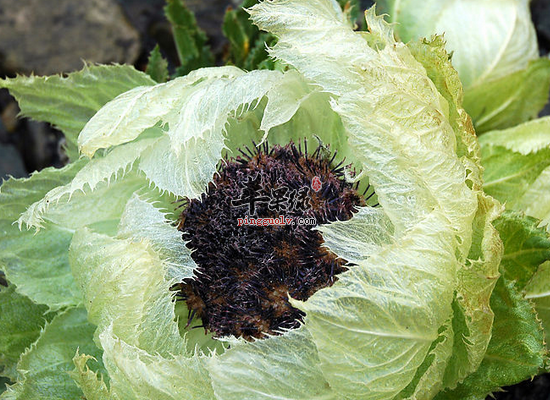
(540, 10)
(537, 389)
(11, 163)
(47, 37)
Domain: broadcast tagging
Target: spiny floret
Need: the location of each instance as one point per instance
(246, 273)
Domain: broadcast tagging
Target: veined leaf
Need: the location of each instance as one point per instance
(43, 368)
(18, 333)
(507, 101)
(100, 265)
(380, 283)
(127, 295)
(69, 102)
(526, 247)
(37, 263)
(516, 351)
(517, 167)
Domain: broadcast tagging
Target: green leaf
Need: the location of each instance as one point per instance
(43, 368)
(69, 102)
(517, 162)
(247, 45)
(512, 99)
(18, 332)
(37, 263)
(157, 66)
(526, 246)
(509, 175)
(516, 351)
(190, 39)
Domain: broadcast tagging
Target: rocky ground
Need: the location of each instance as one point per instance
(40, 39)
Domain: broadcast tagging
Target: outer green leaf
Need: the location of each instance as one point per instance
(507, 101)
(190, 39)
(517, 162)
(525, 247)
(69, 102)
(528, 138)
(493, 44)
(516, 351)
(509, 175)
(18, 333)
(157, 66)
(36, 263)
(43, 368)
(502, 31)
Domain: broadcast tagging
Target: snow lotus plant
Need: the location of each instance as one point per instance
(90, 251)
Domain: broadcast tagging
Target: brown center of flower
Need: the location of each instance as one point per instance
(253, 239)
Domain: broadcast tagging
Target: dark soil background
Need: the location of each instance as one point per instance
(41, 39)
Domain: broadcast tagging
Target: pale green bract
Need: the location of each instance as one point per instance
(410, 319)
(494, 49)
